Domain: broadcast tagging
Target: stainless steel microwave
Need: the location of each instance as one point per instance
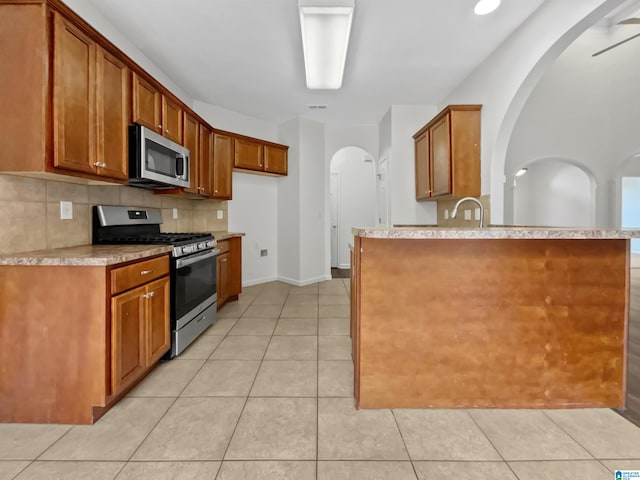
(155, 161)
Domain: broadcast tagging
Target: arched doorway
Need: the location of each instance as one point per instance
(352, 197)
(554, 192)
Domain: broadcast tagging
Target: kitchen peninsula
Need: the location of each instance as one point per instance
(511, 317)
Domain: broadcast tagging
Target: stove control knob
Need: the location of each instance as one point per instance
(185, 249)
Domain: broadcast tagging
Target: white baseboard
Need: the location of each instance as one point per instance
(258, 281)
(302, 283)
(344, 265)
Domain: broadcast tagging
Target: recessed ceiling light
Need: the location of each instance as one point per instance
(326, 27)
(521, 172)
(486, 6)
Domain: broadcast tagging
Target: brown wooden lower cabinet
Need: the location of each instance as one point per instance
(229, 270)
(490, 323)
(75, 339)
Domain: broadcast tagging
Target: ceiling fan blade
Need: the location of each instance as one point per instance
(630, 21)
(616, 45)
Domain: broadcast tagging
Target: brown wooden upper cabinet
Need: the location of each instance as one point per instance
(191, 141)
(447, 154)
(154, 110)
(90, 105)
(258, 156)
(223, 148)
(205, 161)
(275, 159)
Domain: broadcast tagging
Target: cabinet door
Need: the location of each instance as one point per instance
(248, 154)
(423, 177)
(235, 267)
(222, 166)
(157, 320)
(128, 357)
(73, 98)
(146, 104)
(441, 158)
(223, 278)
(275, 160)
(206, 161)
(172, 120)
(112, 115)
(190, 136)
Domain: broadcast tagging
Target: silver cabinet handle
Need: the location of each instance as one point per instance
(224, 259)
(159, 127)
(166, 130)
(96, 164)
(145, 272)
(149, 295)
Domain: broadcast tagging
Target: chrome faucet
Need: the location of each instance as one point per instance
(454, 213)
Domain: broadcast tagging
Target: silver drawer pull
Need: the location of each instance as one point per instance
(149, 295)
(145, 272)
(224, 259)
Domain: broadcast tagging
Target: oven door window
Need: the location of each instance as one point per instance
(195, 283)
(159, 159)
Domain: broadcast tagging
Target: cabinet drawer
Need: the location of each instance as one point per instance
(131, 276)
(223, 246)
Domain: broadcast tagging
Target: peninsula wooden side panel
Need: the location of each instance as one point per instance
(53, 337)
(492, 323)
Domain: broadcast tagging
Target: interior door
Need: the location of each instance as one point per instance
(334, 184)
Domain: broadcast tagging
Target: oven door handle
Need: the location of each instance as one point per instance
(183, 262)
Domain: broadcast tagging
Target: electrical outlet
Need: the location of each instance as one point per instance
(175, 213)
(264, 253)
(446, 214)
(220, 214)
(467, 214)
(476, 214)
(66, 210)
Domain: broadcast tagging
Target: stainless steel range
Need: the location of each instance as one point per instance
(193, 265)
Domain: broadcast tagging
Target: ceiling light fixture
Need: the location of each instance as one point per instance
(325, 26)
(484, 7)
(521, 172)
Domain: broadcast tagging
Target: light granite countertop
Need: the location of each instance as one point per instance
(85, 255)
(223, 235)
(494, 232)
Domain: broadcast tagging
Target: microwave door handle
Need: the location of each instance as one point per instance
(179, 166)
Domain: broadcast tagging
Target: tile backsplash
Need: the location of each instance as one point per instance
(459, 221)
(30, 212)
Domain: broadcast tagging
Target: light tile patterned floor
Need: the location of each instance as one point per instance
(267, 393)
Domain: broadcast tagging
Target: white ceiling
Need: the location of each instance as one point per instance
(246, 55)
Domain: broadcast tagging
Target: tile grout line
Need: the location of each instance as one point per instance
(574, 439)
(235, 428)
(491, 443)
(393, 415)
(173, 403)
(318, 383)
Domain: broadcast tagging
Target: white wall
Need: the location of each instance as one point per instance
(301, 205)
(313, 187)
(405, 121)
(584, 109)
(254, 208)
(289, 206)
(503, 82)
(356, 196)
(106, 28)
(554, 193)
(630, 212)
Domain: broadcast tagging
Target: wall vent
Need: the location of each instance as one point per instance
(317, 107)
